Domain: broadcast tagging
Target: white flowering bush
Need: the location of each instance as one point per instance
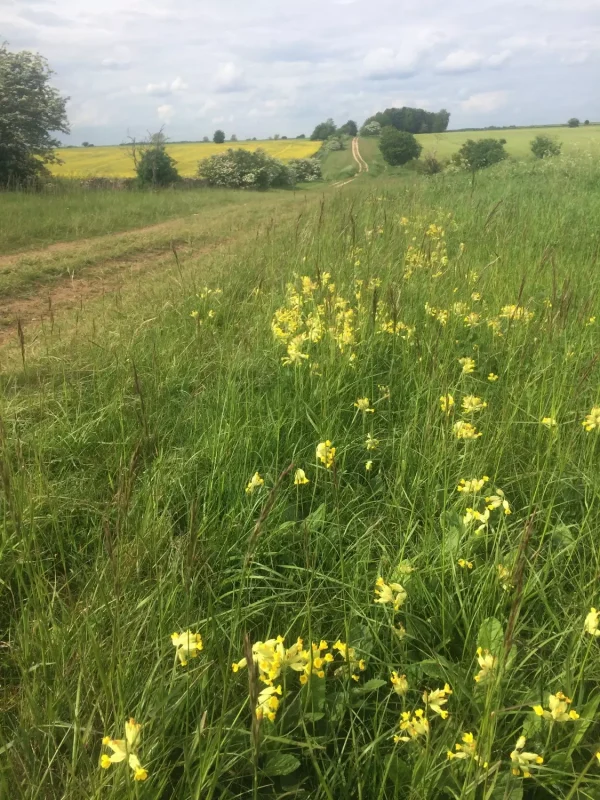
(306, 170)
(238, 169)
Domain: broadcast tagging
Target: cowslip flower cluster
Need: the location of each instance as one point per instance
(371, 443)
(300, 478)
(467, 364)
(466, 749)
(412, 726)
(326, 453)
(492, 503)
(464, 564)
(504, 577)
(464, 430)
(548, 422)
(488, 665)
(498, 500)
(187, 645)
(125, 749)
(471, 404)
(446, 403)
(522, 761)
(558, 709)
(389, 593)
(436, 699)
(399, 683)
(592, 622)
(472, 485)
(255, 482)
(592, 420)
(362, 404)
(351, 665)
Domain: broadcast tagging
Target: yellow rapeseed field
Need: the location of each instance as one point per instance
(115, 161)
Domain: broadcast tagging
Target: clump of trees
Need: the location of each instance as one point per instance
(412, 120)
(31, 110)
(573, 122)
(480, 154)
(372, 128)
(349, 128)
(545, 147)
(398, 147)
(323, 131)
(218, 137)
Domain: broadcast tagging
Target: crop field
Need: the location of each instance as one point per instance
(314, 513)
(85, 162)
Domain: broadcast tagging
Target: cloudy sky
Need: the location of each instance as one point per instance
(260, 67)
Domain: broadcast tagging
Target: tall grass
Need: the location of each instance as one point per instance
(125, 455)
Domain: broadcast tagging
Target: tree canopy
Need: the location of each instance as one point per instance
(31, 110)
(219, 137)
(398, 147)
(323, 130)
(412, 120)
(350, 128)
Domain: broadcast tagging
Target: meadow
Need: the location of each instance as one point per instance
(315, 515)
(116, 161)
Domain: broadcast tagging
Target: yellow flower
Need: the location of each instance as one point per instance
(438, 698)
(472, 319)
(549, 422)
(464, 430)
(467, 748)
(351, 665)
(472, 485)
(392, 593)
(468, 365)
(300, 477)
(591, 321)
(498, 501)
(487, 666)
(523, 762)
(505, 577)
(268, 703)
(384, 391)
(516, 313)
(326, 453)
(363, 405)
(294, 352)
(592, 622)
(254, 483)
(471, 404)
(194, 314)
(125, 749)
(368, 465)
(446, 403)
(187, 645)
(413, 726)
(598, 756)
(465, 564)
(592, 421)
(371, 443)
(492, 377)
(475, 296)
(399, 683)
(471, 515)
(558, 705)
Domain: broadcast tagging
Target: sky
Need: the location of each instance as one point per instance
(266, 67)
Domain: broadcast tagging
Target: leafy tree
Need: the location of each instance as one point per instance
(586, 122)
(218, 137)
(233, 137)
(372, 128)
(476, 155)
(153, 165)
(205, 139)
(544, 147)
(302, 136)
(335, 143)
(276, 136)
(573, 122)
(413, 120)
(349, 128)
(398, 147)
(323, 130)
(30, 110)
(440, 122)
(85, 144)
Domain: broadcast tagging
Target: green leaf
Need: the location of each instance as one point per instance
(315, 690)
(281, 764)
(372, 685)
(586, 718)
(532, 726)
(313, 716)
(491, 636)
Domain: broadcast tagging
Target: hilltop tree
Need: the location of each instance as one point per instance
(573, 122)
(30, 111)
(218, 137)
(350, 128)
(323, 130)
(398, 147)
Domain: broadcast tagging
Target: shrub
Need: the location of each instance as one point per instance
(573, 122)
(371, 129)
(219, 137)
(323, 130)
(238, 169)
(305, 170)
(335, 143)
(544, 147)
(155, 167)
(474, 155)
(398, 147)
(349, 128)
(431, 164)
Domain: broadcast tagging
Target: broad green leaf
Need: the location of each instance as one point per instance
(281, 764)
(372, 685)
(491, 635)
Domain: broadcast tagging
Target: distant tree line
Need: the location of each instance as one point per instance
(411, 120)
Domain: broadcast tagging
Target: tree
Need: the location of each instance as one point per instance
(302, 136)
(440, 123)
(398, 147)
(153, 165)
(586, 122)
(476, 155)
(372, 128)
(545, 147)
(349, 128)
(323, 131)
(234, 137)
(573, 122)
(205, 139)
(218, 137)
(30, 111)
(85, 144)
(413, 120)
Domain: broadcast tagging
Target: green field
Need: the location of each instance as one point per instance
(432, 331)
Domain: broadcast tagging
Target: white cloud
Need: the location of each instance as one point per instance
(499, 59)
(114, 63)
(460, 61)
(484, 102)
(165, 113)
(229, 78)
(163, 89)
(384, 63)
(178, 85)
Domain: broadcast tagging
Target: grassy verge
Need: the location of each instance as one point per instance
(130, 512)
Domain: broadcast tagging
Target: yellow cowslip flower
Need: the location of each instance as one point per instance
(592, 421)
(471, 485)
(308, 286)
(516, 313)
(436, 699)
(362, 404)
(466, 749)
(464, 430)
(471, 404)
(125, 749)
(549, 422)
(294, 352)
(384, 391)
(326, 453)
(194, 314)
(392, 593)
(498, 500)
(351, 663)
(558, 705)
(399, 683)
(591, 321)
(475, 297)
(471, 515)
(468, 365)
(472, 319)
(371, 443)
(598, 756)
(300, 478)
(255, 482)
(592, 623)
(487, 666)
(187, 645)
(368, 465)
(413, 726)
(268, 703)
(504, 577)
(465, 564)
(446, 403)
(403, 221)
(460, 308)
(523, 762)
(492, 377)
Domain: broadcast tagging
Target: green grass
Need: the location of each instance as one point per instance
(126, 445)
